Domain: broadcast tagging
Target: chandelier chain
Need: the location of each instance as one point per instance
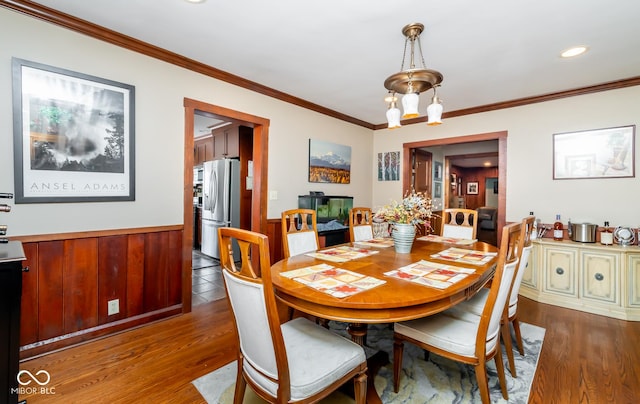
(424, 65)
(404, 54)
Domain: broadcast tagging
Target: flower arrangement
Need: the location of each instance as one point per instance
(415, 208)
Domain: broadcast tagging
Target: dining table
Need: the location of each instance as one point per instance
(394, 298)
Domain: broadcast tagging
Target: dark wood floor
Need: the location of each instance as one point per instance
(585, 359)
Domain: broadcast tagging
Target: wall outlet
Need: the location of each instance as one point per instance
(114, 307)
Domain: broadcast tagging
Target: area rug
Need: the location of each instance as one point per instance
(438, 380)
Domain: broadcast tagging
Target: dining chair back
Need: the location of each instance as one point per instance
(297, 361)
(477, 302)
(459, 223)
(360, 224)
(299, 232)
(467, 337)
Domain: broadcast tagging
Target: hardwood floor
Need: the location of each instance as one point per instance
(585, 359)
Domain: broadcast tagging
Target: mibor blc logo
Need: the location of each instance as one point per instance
(33, 384)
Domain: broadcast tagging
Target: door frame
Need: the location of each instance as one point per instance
(260, 166)
(500, 136)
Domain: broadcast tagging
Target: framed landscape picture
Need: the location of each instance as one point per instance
(329, 162)
(73, 136)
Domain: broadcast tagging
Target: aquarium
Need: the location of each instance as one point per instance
(327, 207)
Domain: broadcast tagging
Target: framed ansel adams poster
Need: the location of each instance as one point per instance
(73, 136)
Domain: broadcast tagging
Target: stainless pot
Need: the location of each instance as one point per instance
(582, 232)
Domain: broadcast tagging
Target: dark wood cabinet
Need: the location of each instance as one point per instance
(203, 151)
(11, 258)
(226, 142)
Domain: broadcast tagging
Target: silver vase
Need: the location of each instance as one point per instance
(403, 236)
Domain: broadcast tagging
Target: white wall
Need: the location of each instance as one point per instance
(159, 113)
(530, 184)
(161, 89)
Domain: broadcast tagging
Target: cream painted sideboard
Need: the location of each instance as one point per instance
(589, 277)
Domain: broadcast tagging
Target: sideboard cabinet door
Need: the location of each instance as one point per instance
(560, 270)
(600, 274)
(633, 280)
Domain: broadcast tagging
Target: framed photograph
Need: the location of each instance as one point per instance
(472, 188)
(389, 166)
(73, 136)
(598, 153)
(454, 181)
(437, 171)
(437, 190)
(329, 162)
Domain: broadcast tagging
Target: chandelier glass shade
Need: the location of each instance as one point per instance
(434, 110)
(393, 113)
(414, 80)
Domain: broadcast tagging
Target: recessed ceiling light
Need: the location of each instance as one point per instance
(575, 51)
(487, 164)
(195, 1)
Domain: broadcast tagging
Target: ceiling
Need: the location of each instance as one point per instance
(337, 53)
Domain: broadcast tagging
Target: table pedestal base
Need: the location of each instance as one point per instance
(358, 332)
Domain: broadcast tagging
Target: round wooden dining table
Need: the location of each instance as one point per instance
(393, 301)
(396, 299)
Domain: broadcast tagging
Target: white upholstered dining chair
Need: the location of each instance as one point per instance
(294, 362)
(477, 302)
(360, 224)
(299, 232)
(467, 338)
(459, 223)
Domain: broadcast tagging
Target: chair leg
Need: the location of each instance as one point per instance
(241, 384)
(500, 370)
(516, 328)
(398, 348)
(506, 337)
(483, 382)
(360, 388)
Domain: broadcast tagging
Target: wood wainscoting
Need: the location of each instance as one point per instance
(73, 277)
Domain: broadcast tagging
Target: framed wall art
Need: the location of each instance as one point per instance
(598, 153)
(73, 136)
(437, 190)
(329, 162)
(389, 166)
(472, 188)
(437, 171)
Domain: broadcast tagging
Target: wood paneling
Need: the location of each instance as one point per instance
(135, 274)
(29, 301)
(156, 261)
(70, 282)
(50, 305)
(80, 284)
(274, 232)
(174, 268)
(112, 275)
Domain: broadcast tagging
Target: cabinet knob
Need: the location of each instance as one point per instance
(599, 276)
(25, 269)
(559, 271)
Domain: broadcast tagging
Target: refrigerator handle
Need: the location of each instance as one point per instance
(214, 190)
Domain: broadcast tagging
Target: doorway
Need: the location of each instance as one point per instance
(258, 215)
(501, 137)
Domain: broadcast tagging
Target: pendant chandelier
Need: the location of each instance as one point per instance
(411, 82)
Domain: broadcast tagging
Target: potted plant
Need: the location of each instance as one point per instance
(415, 208)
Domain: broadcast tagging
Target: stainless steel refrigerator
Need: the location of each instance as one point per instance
(220, 203)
